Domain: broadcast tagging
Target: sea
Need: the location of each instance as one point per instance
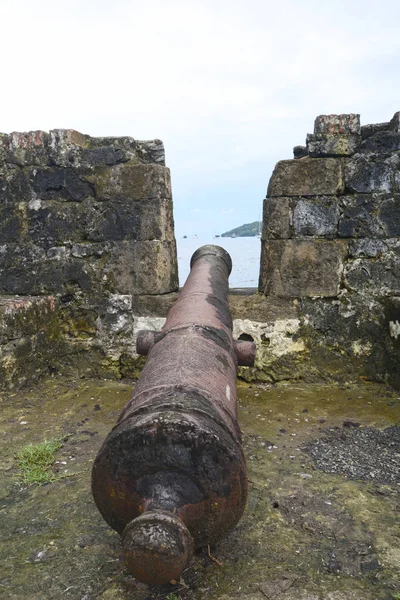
(244, 252)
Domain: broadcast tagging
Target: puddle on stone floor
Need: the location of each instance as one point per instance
(306, 534)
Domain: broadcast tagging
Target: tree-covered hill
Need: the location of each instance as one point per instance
(247, 230)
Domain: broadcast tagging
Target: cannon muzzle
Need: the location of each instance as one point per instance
(171, 475)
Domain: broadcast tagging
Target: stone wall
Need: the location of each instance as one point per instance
(86, 235)
(88, 256)
(330, 264)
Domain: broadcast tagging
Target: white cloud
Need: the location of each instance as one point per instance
(226, 84)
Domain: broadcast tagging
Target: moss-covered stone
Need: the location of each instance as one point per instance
(307, 177)
(131, 365)
(31, 344)
(132, 181)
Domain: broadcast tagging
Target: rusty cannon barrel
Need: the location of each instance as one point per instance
(171, 475)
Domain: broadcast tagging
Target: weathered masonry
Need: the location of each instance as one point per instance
(86, 240)
(88, 256)
(330, 264)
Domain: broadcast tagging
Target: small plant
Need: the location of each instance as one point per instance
(35, 462)
(171, 597)
(396, 596)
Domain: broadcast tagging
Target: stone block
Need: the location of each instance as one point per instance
(317, 217)
(20, 266)
(370, 173)
(263, 309)
(141, 268)
(299, 152)
(69, 148)
(86, 159)
(25, 316)
(95, 157)
(26, 269)
(60, 140)
(367, 248)
(29, 148)
(151, 151)
(325, 144)
(14, 186)
(65, 147)
(138, 151)
(389, 216)
(299, 268)
(121, 219)
(368, 130)
(30, 341)
(382, 142)
(60, 184)
(80, 278)
(349, 326)
(153, 305)
(338, 124)
(115, 221)
(132, 182)
(377, 277)
(50, 222)
(359, 217)
(11, 225)
(307, 177)
(157, 220)
(277, 218)
(370, 215)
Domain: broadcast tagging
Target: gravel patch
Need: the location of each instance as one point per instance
(362, 453)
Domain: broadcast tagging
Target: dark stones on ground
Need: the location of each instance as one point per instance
(361, 453)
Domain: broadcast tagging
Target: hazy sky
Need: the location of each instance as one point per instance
(229, 86)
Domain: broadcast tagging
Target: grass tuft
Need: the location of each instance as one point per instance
(36, 461)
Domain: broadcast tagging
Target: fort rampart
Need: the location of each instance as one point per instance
(86, 240)
(88, 256)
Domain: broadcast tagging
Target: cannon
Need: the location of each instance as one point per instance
(171, 475)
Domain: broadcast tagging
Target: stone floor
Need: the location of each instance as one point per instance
(322, 520)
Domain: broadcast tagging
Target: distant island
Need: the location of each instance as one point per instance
(247, 230)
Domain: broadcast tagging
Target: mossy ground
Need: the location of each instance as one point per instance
(305, 535)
